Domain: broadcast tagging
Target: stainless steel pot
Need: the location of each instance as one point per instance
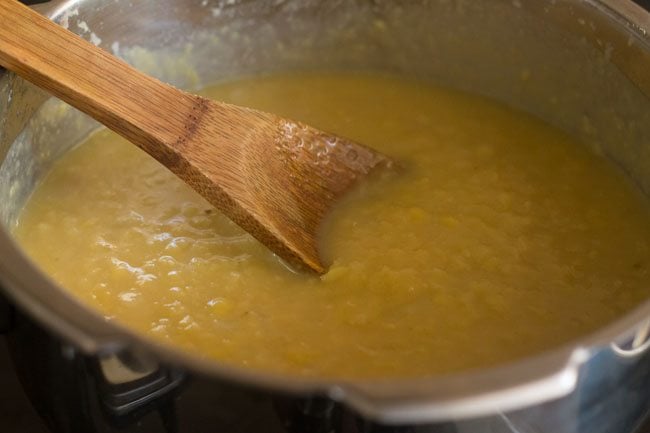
(583, 65)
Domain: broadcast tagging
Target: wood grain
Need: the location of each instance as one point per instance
(275, 177)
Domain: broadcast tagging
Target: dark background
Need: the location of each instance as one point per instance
(17, 415)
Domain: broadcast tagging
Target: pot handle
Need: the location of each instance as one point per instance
(636, 345)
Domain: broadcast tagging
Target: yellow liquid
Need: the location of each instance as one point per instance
(502, 238)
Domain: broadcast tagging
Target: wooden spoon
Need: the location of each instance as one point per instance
(275, 177)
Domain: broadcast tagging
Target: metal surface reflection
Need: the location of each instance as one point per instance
(591, 80)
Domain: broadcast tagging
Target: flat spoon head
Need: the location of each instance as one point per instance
(276, 178)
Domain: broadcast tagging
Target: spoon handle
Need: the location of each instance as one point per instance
(138, 107)
(275, 177)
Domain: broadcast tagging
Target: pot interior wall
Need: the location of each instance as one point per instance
(566, 62)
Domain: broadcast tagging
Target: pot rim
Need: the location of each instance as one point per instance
(521, 383)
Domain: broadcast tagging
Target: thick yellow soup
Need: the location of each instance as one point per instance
(500, 238)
